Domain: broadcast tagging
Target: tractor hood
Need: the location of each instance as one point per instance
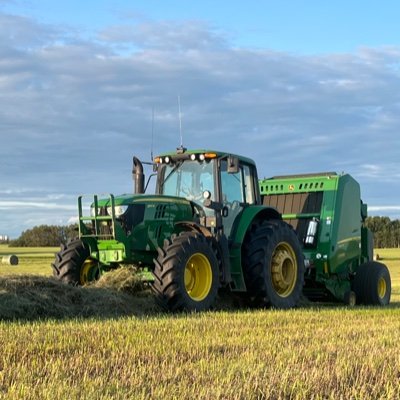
(127, 199)
(141, 222)
(132, 210)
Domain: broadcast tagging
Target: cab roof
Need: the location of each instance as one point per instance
(182, 153)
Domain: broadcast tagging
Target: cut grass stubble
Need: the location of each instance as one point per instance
(237, 355)
(108, 341)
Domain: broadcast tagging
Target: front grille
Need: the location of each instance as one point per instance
(161, 210)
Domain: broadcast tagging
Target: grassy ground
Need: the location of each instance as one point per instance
(116, 345)
(301, 354)
(32, 260)
(391, 257)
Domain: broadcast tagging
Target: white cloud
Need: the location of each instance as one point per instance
(19, 31)
(13, 205)
(73, 111)
(386, 171)
(165, 35)
(384, 208)
(349, 84)
(73, 220)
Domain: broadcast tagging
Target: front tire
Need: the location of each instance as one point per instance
(273, 264)
(186, 274)
(372, 284)
(74, 265)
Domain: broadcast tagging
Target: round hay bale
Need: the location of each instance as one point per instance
(10, 260)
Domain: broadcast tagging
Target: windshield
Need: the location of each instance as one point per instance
(188, 179)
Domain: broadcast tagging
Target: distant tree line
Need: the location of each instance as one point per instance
(386, 232)
(46, 235)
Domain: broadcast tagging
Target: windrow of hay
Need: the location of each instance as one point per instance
(117, 293)
(126, 279)
(121, 292)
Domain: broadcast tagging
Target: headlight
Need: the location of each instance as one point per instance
(92, 211)
(119, 210)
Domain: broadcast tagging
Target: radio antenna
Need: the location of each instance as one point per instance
(180, 119)
(152, 133)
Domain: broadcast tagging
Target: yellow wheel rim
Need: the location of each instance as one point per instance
(284, 269)
(88, 271)
(381, 288)
(198, 277)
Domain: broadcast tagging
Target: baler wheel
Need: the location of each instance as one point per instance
(372, 284)
(273, 264)
(186, 274)
(74, 266)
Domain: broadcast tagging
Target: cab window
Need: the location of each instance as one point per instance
(188, 179)
(237, 187)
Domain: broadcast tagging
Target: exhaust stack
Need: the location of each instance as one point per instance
(138, 176)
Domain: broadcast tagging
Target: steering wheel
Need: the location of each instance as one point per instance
(191, 195)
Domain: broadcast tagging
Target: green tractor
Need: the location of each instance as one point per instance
(212, 224)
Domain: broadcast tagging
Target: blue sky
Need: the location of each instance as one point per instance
(295, 26)
(298, 86)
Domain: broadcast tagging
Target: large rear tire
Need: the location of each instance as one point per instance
(74, 265)
(273, 264)
(186, 274)
(372, 284)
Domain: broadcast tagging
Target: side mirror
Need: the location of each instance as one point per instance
(233, 165)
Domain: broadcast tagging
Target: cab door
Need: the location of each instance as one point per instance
(237, 191)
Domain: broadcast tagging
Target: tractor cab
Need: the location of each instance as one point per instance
(220, 185)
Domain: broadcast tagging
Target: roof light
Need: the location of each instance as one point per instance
(193, 157)
(157, 160)
(167, 160)
(201, 157)
(210, 155)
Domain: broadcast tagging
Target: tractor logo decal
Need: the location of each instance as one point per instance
(291, 187)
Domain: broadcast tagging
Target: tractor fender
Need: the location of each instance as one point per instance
(247, 217)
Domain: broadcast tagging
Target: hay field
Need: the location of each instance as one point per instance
(115, 351)
(32, 260)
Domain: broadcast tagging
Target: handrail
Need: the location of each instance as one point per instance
(96, 219)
